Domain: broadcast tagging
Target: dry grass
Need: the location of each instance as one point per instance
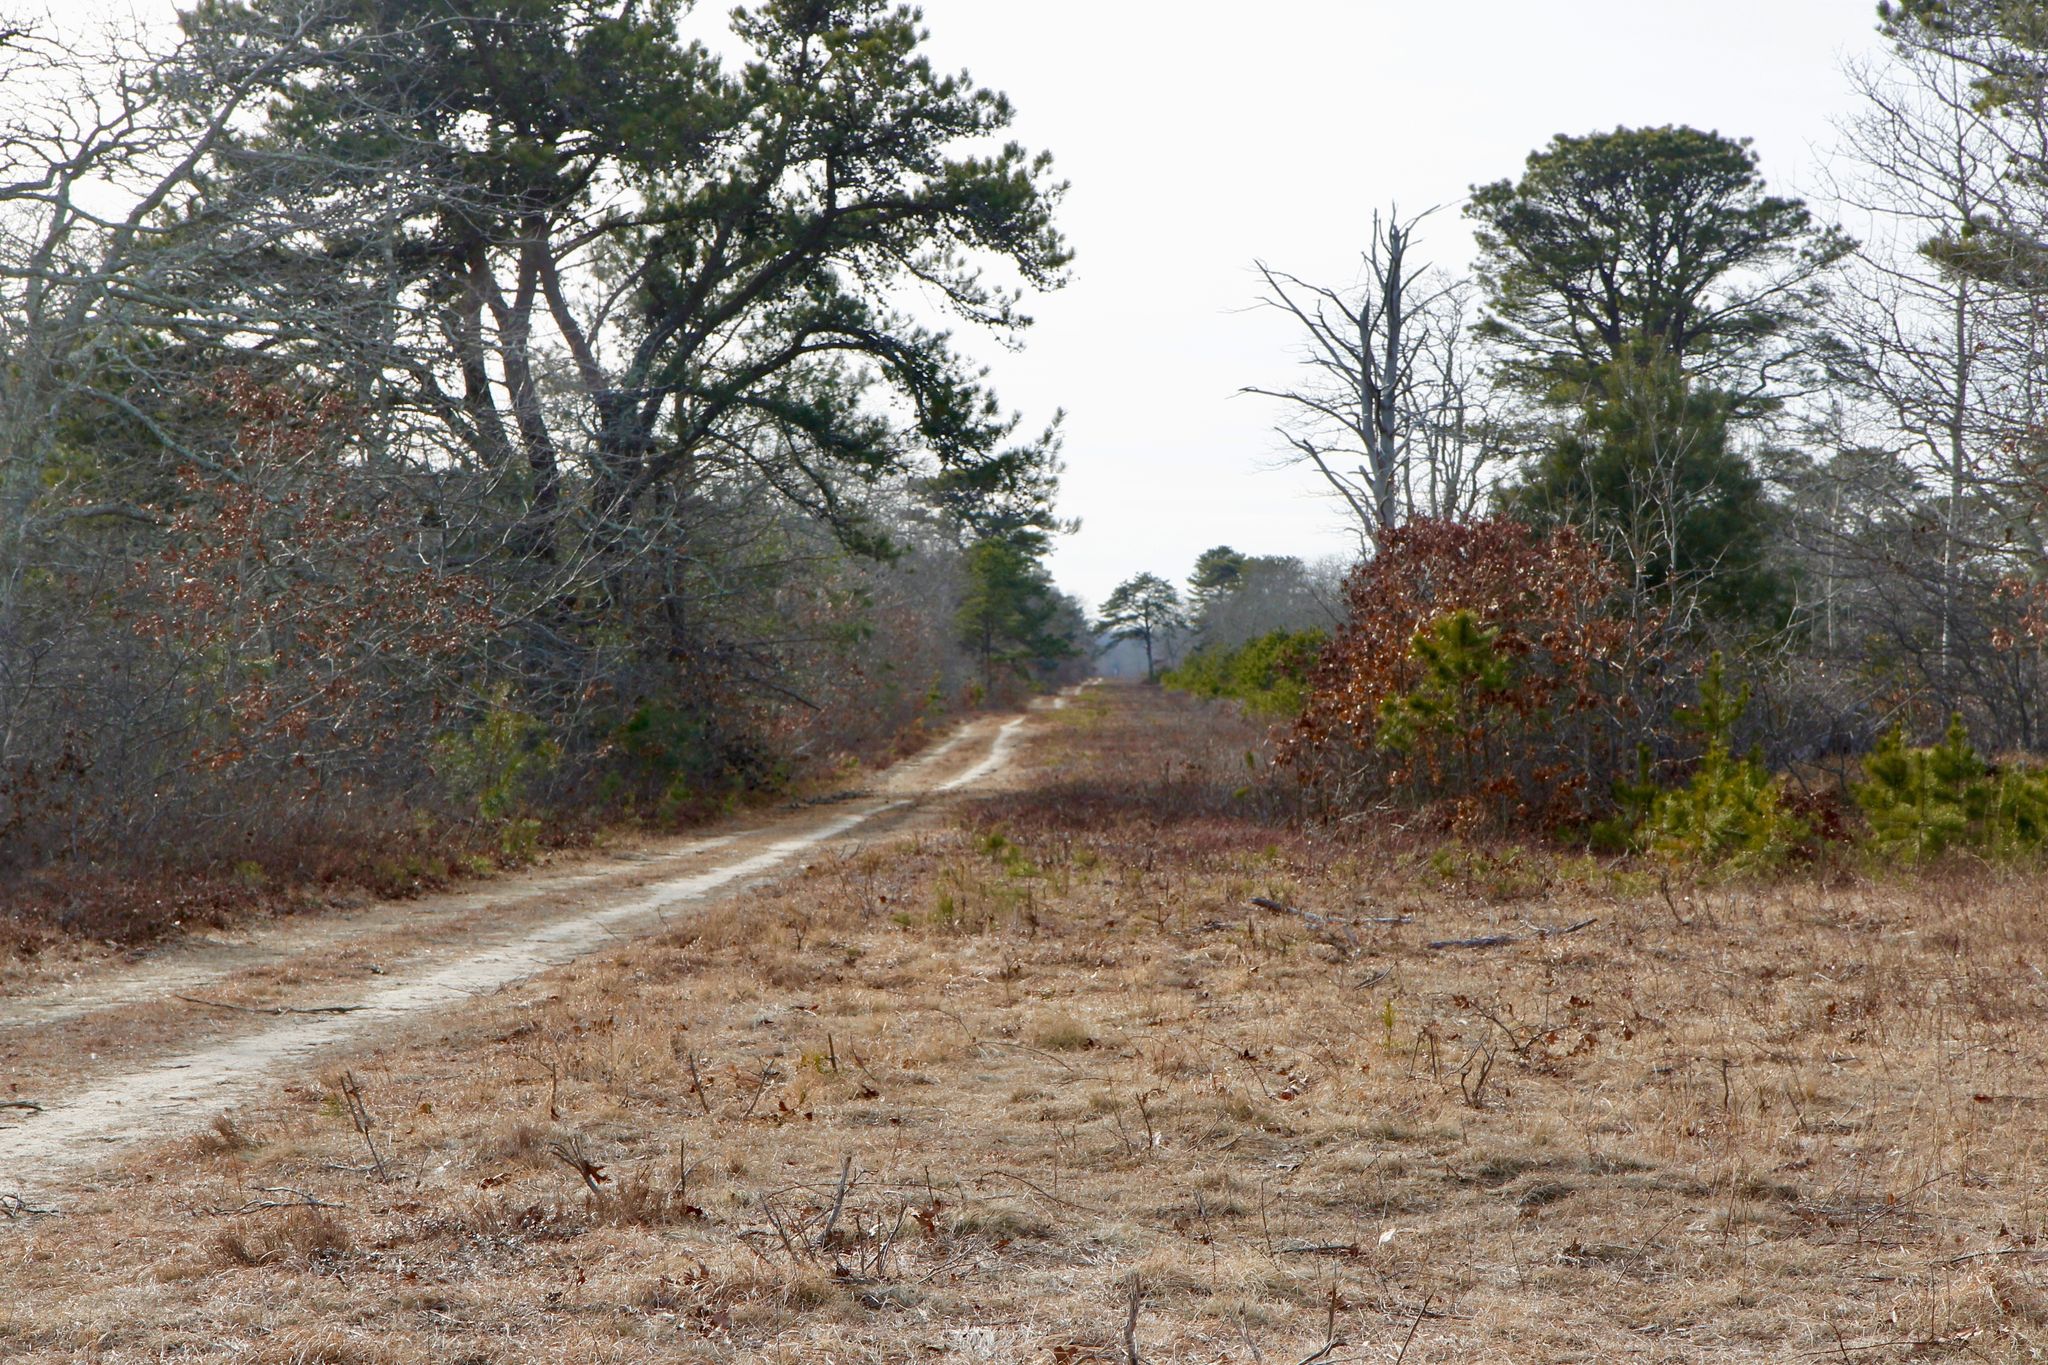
(950, 1096)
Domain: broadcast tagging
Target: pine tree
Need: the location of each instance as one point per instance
(1649, 474)
(1144, 608)
(1010, 613)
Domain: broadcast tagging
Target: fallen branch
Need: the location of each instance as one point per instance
(300, 1200)
(1324, 928)
(270, 1009)
(30, 1105)
(1331, 1249)
(13, 1206)
(1502, 940)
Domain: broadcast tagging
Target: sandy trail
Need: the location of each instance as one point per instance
(188, 1081)
(198, 963)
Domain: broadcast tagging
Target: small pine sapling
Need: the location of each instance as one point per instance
(1731, 816)
(1922, 802)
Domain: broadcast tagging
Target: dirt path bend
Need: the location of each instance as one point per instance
(177, 1060)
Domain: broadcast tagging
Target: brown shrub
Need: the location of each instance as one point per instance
(300, 1236)
(1485, 671)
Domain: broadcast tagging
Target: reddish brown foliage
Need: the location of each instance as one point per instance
(292, 584)
(1541, 747)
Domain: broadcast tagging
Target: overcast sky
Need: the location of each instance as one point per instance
(1199, 137)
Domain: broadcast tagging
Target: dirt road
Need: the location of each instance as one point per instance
(97, 1066)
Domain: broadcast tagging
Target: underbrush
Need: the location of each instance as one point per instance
(1268, 676)
(133, 903)
(506, 806)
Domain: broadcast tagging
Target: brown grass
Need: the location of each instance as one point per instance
(949, 1097)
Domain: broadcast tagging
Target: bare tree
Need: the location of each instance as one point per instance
(1392, 385)
(1466, 429)
(1931, 499)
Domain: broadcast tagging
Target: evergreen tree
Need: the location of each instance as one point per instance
(1648, 472)
(1662, 237)
(1144, 608)
(608, 267)
(1217, 571)
(1011, 615)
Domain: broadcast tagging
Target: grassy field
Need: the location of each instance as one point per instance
(1038, 1082)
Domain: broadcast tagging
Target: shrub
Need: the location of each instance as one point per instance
(1467, 685)
(672, 759)
(1268, 676)
(1484, 671)
(494, 765)
(1921, 802)
(1731, 815)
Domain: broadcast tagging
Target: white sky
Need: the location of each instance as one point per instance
(1198, 137)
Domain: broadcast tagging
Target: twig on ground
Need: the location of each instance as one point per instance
(697, 1084)
(30, 1105)
(1474, 1090)
(1664, 888)
(1414, 1327)
(1485, 941)
(788, 1243)
(1131, 1323)
(270, 1009)
(359, 1114)
(14, 1207)
(874, 1081)
(300, 1199)
(1052, 1198)
(1519, 1042)
(838, 1202)
(1843, 1348)
(1502, 940)
(1331, 1341)
(1022, 1047)
(571, 1154)
(884, 1243)
(761, 1084)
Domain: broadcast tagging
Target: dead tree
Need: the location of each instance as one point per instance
(1378, 371)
